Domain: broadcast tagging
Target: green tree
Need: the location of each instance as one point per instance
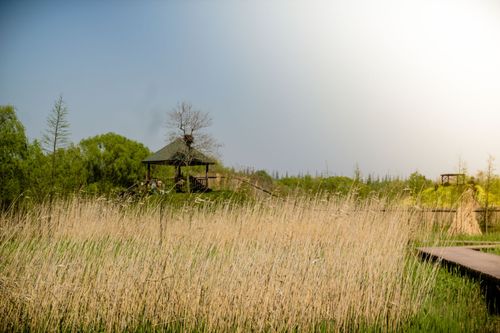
(13, 152)
(71, 172)
(56, 135)
(37, 172)
(261, 177)
(113, 161)
(417, 183)
(357, 173)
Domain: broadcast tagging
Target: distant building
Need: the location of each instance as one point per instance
(452, 178)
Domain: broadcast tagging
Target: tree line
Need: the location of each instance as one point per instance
(39, 169)
(416, 189)
(109, 163)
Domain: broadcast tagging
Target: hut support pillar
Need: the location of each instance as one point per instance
(206, 175)
(148, 176)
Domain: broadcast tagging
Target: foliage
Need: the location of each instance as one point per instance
(456, 304)
(417, 183)
(493, 196)
(388, 188)
(262, 178)
(489, 237)
(71, 172)
(113, 161)
(97, 165)
(337, 185)
(441, 196)
(13, 153)
(37, 171)
(448, 196)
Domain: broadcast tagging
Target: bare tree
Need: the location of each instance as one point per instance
(489, 174)
(190, 124)
(186, 123)
(57, 133)
(187, 120)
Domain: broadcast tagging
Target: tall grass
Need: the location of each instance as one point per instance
(295, 264)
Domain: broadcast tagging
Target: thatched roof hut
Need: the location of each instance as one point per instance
(179, 153)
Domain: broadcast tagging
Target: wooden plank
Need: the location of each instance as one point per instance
(479, 242)
(487, 265)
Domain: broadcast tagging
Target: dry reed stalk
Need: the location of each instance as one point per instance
(272, 265)
(465, 221)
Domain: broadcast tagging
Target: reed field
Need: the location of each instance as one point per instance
(296, 264)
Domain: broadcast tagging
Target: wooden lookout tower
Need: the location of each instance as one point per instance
(450, 178)
(179, 153)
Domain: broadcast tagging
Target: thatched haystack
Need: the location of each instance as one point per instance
(465, 221)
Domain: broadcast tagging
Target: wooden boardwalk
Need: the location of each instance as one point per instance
(484, 265)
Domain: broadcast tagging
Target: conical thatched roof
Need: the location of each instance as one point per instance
(177, 153)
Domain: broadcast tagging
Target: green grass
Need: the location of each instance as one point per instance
(486, 237)
(440, 238)
(495, 250)
(456, 304)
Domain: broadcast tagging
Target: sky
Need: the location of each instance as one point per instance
(297, 86)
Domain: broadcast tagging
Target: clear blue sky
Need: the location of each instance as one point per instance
(297, 85)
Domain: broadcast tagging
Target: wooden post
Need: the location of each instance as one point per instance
(206, 175)
(148, 177)
(178, 178)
